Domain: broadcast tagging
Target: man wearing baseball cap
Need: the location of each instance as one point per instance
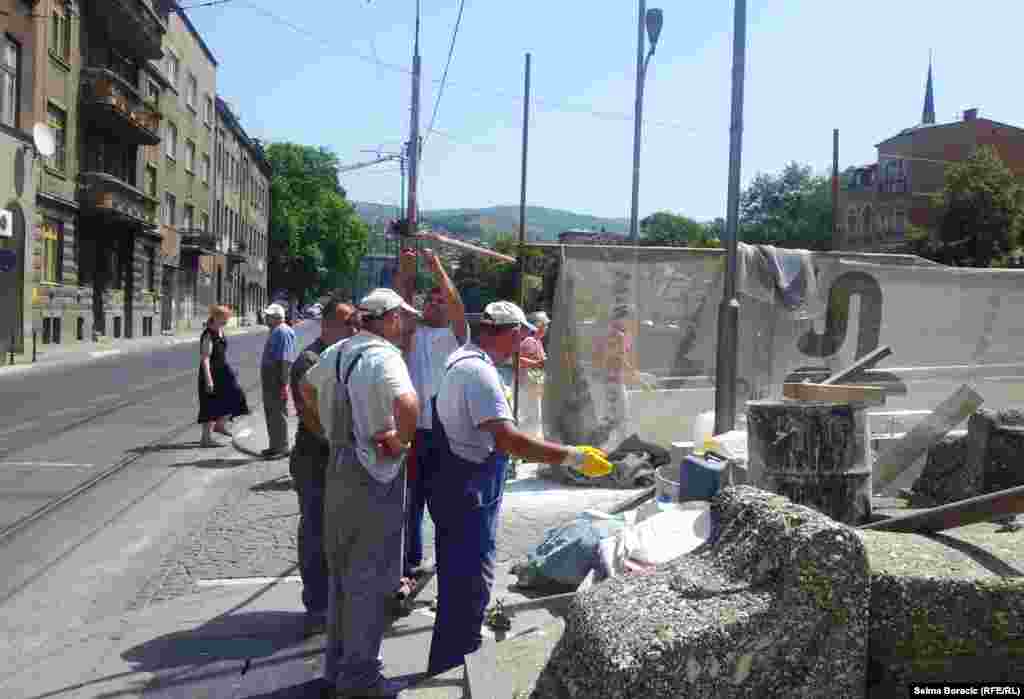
(372, 422)
(275, 371)
(474, 435)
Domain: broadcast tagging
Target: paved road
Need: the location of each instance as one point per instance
(65, 424)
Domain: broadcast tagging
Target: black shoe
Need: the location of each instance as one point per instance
(383, 688)
(274, 453)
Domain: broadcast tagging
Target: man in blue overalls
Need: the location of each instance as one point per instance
(474, 435)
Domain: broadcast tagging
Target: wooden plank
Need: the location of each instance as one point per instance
(484, 680)
(834, 393)
(866, 362)
(901, 454)
(983, 508)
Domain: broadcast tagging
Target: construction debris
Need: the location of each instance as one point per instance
(901, 454)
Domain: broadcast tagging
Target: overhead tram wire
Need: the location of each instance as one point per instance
(444, 76)
(549, 105)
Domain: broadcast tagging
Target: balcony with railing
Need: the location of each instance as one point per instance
(110, 103)
(136, 26)
(198, 241)
(108, 196)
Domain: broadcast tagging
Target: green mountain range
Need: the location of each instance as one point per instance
(542, 224)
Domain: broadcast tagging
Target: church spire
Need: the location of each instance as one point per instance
(928, 115)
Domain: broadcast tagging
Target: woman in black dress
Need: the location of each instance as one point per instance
(220, 396)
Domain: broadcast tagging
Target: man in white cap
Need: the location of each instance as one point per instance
(372, 422)
(275, 371)
(474, 435)
(441, 331)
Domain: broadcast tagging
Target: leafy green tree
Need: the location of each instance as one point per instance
(792, 209)
(667, 229)
(981, 208)
(316, 238)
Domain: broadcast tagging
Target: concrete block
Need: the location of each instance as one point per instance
(945, 608)
(775, 605)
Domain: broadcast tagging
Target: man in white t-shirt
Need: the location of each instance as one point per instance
(474, 435)
(441, 331)
(372, 423)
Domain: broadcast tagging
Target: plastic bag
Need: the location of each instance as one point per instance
(669, 534)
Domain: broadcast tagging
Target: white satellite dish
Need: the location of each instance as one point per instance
(42, 136)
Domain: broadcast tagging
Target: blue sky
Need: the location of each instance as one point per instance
(812, 65)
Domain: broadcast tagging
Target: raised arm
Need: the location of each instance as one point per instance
(456, 309)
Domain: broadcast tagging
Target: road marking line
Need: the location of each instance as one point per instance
(232, 582)
(48, 464)
(104, 353)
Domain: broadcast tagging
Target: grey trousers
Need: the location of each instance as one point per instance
(363, 524)
(274, 409)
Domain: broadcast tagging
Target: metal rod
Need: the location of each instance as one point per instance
(729, 310)
(634, 211)
(11, 362)
(982, 508)
(437, 237)
(522, 225)
(33, 346)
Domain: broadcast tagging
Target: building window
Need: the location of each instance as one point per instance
(204, 221)
(191, 92)
(171, 139)
(188, 213)
(170, 205)
(899, 221)
(52, 233)
(151, 269)
(58, 120)
(851, 220)
(172, 70)
(190, 156)
(60, 34)
(150, 180)
(866, 222)
(206, 169)
(208, 111)
(9, 83)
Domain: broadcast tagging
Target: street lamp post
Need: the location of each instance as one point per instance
(652, 20)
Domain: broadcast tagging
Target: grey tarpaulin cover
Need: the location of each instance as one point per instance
(798, 310)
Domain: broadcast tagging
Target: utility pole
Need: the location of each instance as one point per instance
(414, 131)
(729, 310)
(836, 243)
(522, 222)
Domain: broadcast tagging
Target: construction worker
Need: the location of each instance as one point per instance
(441, 331)
(308, 465)
(373, 411)
(474, 435)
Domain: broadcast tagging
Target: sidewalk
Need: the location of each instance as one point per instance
(84, 352)
(223, 617)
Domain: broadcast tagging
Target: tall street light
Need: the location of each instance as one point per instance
(651, 19)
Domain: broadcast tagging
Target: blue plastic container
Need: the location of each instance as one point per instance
(700, 477)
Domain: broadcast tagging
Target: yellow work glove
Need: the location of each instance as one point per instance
(590, 461)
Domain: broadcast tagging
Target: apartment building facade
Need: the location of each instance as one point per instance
(113, 234)
(241, 215)
(881, 201)
(183, 170)
(18, 172)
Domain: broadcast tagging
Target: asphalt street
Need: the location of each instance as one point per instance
(112, 419)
